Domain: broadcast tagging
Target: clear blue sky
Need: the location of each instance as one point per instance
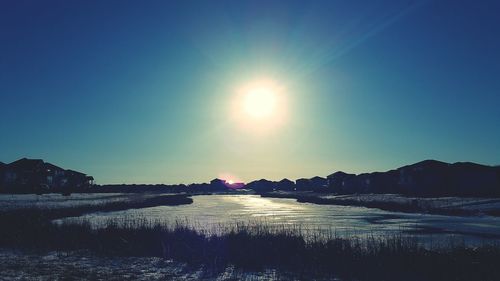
(141, 91)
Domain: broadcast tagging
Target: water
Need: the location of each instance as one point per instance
(210, 211)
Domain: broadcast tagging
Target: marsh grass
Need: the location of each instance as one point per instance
(253, 246)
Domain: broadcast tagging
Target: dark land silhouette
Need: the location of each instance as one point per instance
(426, 178)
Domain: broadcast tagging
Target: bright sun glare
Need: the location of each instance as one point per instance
(260, 102)
(260, 106)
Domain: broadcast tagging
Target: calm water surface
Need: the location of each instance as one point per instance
(210, 211)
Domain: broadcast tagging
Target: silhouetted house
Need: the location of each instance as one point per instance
(315, 183)
(428, 177)
(285, 184)
(470, 179)
(303, 184)
(218, 185)
(261, 185)
(56, 177)
(34, 175)
(78, 180)
(318, 183)
(24, 175)
(386, 182)
(335, 181)
(357, 184)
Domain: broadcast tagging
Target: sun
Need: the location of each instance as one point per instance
(260, 102)
(260, 105)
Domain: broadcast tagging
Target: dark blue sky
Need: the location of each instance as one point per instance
(145, 91)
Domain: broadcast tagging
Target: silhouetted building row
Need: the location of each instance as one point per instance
(35, 175)
(215, 185)
(426, 178)
(313, 184)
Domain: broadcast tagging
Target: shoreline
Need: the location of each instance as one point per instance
(448, 206)
(398, 203)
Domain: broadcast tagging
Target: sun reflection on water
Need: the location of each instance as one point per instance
(259, 207)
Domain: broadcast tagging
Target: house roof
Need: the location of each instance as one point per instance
(427, 164)
(52, 166)
(338, 174)
(285, 180)
(217, 181)
(75, 173)
(26, 164)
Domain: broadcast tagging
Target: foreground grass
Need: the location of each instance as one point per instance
(254, 247)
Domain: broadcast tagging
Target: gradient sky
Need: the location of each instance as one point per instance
(141, 91)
